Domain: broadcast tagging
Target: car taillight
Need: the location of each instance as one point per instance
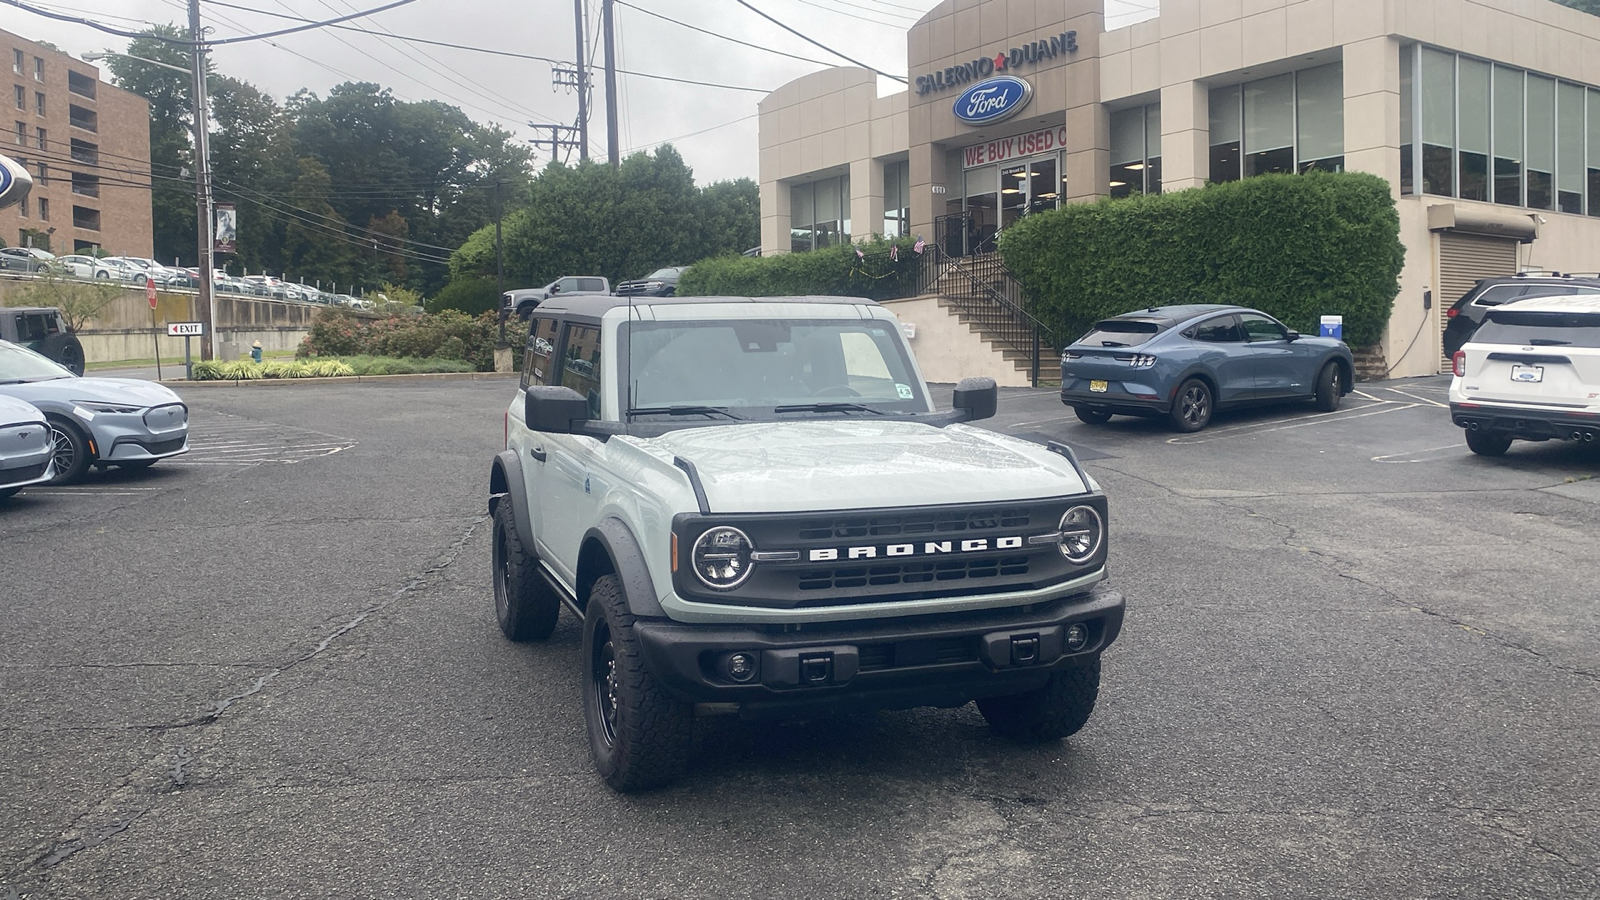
(1451, 313)
(1458, 363)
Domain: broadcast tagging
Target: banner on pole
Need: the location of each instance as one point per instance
(227, 232)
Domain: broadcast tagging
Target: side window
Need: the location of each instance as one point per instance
(1500, 293)
(1261, 328)
(32, 327)
(537, 359)
(1221, 330)
(580, 368)
(567, 285)
(589, 284)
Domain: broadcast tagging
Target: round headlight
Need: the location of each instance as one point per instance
(721, 558)
(1082, 532)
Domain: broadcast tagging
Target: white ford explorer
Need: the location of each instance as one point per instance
(754, 509)
(1530, 373)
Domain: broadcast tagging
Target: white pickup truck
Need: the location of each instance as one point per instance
(754, 508)
(521, 302)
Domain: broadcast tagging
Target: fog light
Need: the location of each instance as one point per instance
(1077, 636)
(739, 667)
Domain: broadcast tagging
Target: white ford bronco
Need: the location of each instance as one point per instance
(754, 509)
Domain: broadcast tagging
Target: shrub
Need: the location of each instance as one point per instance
(449, 334)
(834, 271)
(470, 294)
(1295, 246)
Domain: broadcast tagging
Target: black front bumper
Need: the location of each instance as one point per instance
(932, 660)
(1526, 424)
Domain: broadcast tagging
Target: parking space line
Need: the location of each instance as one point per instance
(1303, 422)
(1455, 449)
(1419, 399)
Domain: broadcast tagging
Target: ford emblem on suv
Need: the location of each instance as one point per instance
(993, 99)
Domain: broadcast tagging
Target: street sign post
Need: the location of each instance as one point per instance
(185, 330)
(155, 336)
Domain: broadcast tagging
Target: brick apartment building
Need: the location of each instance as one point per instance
(87, 146)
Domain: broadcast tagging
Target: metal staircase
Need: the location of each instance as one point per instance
(990, 300)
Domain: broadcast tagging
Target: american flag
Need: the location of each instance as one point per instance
(919, 244)
(894, 252)
(859, 254)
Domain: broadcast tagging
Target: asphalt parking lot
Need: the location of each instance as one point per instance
(1358, 662)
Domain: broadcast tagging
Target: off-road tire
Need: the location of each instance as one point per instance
(525, 606)
(1092, 416)
(65, 349)
(1057, 710)
(639, 734)
(1330, 387)
(72, 445)
(1488, 444)
(1192, 406)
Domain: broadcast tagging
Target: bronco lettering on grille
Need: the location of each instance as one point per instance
(930, 548)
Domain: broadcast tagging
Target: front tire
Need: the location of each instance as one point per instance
(1192, 406)
(1059, 709)
(1486, 444)
(1330, 387)
(639, 734)
(1092, 416)
(525, 606)
(72, 451)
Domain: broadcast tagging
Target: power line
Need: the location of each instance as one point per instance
(719, 36)
(746, 5)
(368, 231)
(185, 42)
(694, 133)
(828, 9)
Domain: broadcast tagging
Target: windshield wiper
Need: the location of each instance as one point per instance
(828, 407)
(684, 411)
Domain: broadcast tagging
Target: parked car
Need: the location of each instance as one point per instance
(1530, 373)
(29, 260)
(115, 268)
(1186, 362)
(96, 421)
(80, 266)
(522, 301)
(40, 329)
(660, 283)
(26, 449)
(1467, 313)
(149, 270)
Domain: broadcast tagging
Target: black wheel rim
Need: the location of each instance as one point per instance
(1195, 406)
(603, 684)
(66, 452)
(502, 561)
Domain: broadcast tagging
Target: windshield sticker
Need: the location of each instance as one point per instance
(904, 390)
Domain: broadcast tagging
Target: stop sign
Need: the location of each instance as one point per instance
(150, 293)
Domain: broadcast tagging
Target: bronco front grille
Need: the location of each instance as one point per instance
(845, 578)
(913, 524)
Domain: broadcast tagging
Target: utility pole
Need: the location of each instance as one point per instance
(581, 21)
(202, 183)
(560, 136)
(611, 84)
(499, 266)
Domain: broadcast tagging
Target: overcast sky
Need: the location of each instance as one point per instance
(714, 128)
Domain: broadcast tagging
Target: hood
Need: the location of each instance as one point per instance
(109, 390)
(862, 464)
(18, 412)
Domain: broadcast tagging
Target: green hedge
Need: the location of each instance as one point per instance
(1295, 246)
(835, 271)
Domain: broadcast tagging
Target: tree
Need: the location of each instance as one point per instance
(78, 301)
(171, 137)
(1591, 7)
(315, 243)
(253, 165)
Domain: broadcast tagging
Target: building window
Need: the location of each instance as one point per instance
(44, 209)
(44, 174)
(38, 68)
(85, 152)
(896, 199)
(80, 117)
(22, 97)
(1507, 105)
(1438, 123)
(22, 134)
(1287, 123)
(819, 214)
(1472, 156)
(1570, 167)
(22, 207)
(38, 103)
(1136, 151)
(80, 84)
(86, 218)
(85, 185)
(16, 61)
(44, 138)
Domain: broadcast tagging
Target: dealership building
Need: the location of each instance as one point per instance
(1483, 116)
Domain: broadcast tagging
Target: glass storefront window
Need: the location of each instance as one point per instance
(1507, 136)
(1473, 155)
(802, 213)
(1013, 193)
(1569, 148)
(1269, 125)
(1319, 118)
(896, 199)
(983, 221)
(1438, 122)
(1225, 129)
(1408, 119)
(819, 214)
(1541, 164)
(1135, 151)
(1594, 152)
(1045, 193)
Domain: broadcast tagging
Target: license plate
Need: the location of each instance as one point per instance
(1527, 374)
(1099, 387)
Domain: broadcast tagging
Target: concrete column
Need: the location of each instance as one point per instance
(1088, 158)
(927, 172)
(774, 218)
(1185, 136)
(1372, 108)
(866, 198)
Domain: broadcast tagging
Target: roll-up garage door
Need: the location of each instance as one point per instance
(1463, 260)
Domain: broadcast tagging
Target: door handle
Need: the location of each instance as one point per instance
(537, 453)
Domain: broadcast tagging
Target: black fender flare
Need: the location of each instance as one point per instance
(505, 481)
(610, 548)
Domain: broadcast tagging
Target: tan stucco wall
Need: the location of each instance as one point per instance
(948, 350)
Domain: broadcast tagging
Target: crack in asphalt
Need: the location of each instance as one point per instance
(177, 774)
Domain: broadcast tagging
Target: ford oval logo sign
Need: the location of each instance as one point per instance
(993, 99)
(14, 182)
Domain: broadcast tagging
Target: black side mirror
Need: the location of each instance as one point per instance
(554, 410)
(1294, 336)
(977, 397)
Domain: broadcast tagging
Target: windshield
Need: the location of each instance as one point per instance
(1540, 329)
(21, 364)
(756, 366)
(664, 273)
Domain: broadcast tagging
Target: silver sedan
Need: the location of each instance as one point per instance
(96, 421)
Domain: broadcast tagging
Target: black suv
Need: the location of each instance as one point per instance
(1467, 313)
(660, 283)
(40, 329)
